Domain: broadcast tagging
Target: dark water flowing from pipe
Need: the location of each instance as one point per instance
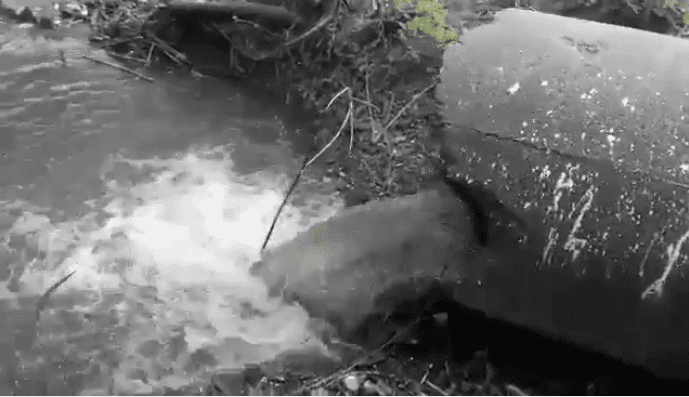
(158, 195)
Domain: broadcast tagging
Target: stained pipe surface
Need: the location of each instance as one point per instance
(581, 128)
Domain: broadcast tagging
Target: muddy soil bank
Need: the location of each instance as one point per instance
(387, 150)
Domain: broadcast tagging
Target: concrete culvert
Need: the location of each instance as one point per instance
(580, 128)
(579, 285)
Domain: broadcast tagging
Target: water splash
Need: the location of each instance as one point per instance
(162, 292)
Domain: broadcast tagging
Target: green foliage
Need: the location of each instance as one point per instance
(431, 21)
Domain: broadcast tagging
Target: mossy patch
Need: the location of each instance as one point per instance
(431, 21)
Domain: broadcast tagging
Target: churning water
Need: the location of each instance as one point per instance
(158, 198)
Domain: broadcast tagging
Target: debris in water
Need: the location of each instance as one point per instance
(44, 299)
(118, 67)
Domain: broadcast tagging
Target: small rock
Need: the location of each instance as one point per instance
(440, 318)
(377, 388)
(351, 382)
(354, 197)
(319, 392)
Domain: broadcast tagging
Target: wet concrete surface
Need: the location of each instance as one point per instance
(581, 129)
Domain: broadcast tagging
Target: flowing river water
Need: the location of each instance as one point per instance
(158, 196)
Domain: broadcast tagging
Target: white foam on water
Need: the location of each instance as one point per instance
(177, 247)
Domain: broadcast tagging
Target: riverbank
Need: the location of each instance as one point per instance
(366, 85)
(368, 95)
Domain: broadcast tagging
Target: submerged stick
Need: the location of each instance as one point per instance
(118, 67)
(125, 57)
(284, 201)
(150, 54)
(44, 298)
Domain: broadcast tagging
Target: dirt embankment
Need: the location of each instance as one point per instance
(354, 69)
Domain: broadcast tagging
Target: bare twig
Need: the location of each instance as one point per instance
(436, 388)
(339, 132)
(125, 57)
(284, 201)
(222, 32)
(349, 116)
(513, 390)
(172, 53)
(172, 57)
(322, 382)
(150, 54)
(351, 122)
(316, 27)
(259, 56)
(118, 67)
(632, 6)
(255, 25)
(425, 375)
(333, 99)
(404, 108)
(367, 103)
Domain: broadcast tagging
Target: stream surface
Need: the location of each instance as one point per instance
(158, 196)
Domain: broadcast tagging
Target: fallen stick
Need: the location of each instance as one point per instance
(150, 54)
(175, 55)
(284, 201)
(46, 296)
(276, 15)
(125, 57)
(404, 108)
(259, 56)
(339, 132)
(118, 67)
(436, 388)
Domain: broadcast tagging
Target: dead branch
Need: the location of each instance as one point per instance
(339, 132)
(118, 67)
(284, 201)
